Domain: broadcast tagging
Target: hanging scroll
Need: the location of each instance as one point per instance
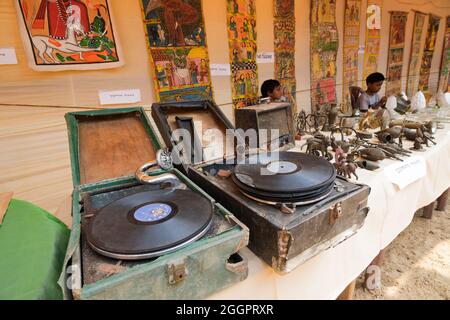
(242, 43)
(63, 35)
(444, 83)
(352, 22)
(284, 32)
(395, 54)
(412, 84)
(373, 37)
(430, 43)
(176, 40)
(324, 46)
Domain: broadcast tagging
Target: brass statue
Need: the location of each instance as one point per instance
(331, 113)
(374, 119)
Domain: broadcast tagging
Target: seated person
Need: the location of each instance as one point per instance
(370, 98)
(272, 89)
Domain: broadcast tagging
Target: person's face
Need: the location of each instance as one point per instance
(375, 87)
(276, 93)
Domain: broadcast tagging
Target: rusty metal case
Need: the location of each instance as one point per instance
(270, 116)
(286, 241)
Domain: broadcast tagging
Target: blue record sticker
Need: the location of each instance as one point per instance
(152, 212)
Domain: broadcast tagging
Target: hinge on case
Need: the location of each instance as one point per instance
(285, 240)
(335, 212)
(177, 272)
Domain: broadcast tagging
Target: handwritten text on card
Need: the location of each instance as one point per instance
(120, 96)
(404, 173)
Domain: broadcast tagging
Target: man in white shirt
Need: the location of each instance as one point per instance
(370, 98)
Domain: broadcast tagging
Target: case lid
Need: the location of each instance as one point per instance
(202, 118)
(267, 107)
(108, 144)
(268, 116)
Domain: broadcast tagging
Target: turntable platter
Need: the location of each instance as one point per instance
(292, 172)
(148, 224)
(285, 177)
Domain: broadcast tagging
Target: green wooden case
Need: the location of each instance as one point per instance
(106, 147)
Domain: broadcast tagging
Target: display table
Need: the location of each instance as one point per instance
(391, 211)
(42, 175)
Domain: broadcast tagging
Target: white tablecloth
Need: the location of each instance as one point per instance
(391, 211)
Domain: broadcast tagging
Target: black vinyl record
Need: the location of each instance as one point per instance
(150, 223)
(285, 177)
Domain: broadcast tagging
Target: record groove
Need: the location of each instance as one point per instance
(147, 224)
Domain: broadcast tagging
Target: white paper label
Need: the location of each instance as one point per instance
(120, 96)
(404, 173)
(265, 57)
(8, 56)
(220, 69)
(361, 50)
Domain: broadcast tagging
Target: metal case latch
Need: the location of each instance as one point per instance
(335, 212)
(177, 272)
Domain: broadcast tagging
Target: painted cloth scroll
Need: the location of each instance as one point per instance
(373, 37)
(444, 83)
(241, 16)
(68, 34)
(176, 40)
(352, 22)
(427, 58)
(395, 54)
(284, 34)
(324, 47)
(412, 84)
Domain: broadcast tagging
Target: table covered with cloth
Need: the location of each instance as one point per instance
(391, 211)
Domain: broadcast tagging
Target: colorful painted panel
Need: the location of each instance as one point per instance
(396, 50)
(444, 79)
(412, 84)
(373, 37)
(324, 46)
(241, 16)
(68, 34)
(176, 39)
(352, 22)
(430, 43)
(284, 33)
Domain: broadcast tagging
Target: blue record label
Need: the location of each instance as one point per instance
(152, 212)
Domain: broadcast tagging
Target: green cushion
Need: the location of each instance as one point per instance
(32, 248)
